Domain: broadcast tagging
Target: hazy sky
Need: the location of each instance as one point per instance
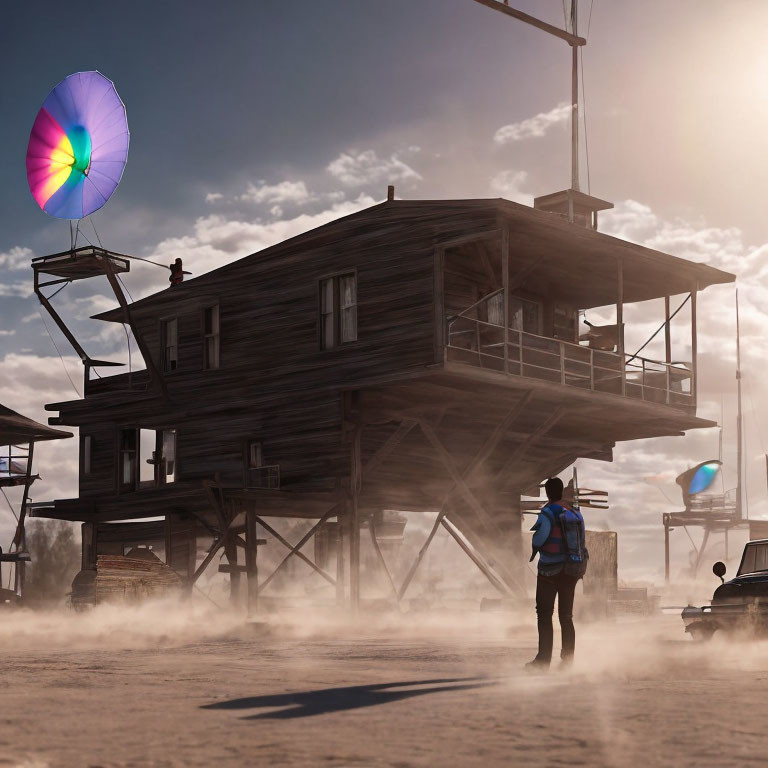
(252, 121)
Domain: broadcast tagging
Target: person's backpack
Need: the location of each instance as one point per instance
(574, 545)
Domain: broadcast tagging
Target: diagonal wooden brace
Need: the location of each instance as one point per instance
(307, 536)
(298, 554)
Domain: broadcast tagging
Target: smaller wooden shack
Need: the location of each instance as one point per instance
(18, 435)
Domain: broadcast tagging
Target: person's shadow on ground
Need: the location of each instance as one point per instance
(308, 703)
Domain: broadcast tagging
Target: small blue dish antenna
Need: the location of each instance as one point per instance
(702, 476)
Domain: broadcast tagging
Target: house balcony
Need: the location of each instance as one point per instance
(513, 352)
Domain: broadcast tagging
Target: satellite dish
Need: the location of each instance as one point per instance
(78, 146)
(698, 478)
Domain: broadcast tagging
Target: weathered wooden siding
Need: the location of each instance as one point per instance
(276, 385)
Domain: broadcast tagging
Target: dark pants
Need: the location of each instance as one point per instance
(547, 588)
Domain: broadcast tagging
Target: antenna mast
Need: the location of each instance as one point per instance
(574, 41)
(574, 102)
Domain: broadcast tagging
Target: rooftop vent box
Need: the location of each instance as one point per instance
(573, 206)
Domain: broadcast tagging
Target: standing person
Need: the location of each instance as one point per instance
(558, 539)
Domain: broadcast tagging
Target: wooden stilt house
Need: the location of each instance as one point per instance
(417, 355)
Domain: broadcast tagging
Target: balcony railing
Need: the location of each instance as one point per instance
(483, 344)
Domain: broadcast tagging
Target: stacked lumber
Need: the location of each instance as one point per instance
(128, 578)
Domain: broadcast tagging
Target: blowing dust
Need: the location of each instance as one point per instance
(410, 688)
(621, 648)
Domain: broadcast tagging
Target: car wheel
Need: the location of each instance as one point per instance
(701, 634)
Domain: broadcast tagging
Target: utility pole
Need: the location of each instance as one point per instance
(571, 37)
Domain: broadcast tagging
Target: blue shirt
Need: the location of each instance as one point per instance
(547, 534)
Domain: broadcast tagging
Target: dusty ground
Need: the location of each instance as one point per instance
(161, 689)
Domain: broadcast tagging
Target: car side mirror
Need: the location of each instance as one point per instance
(719, 570)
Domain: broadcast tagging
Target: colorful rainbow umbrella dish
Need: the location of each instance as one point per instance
(78, 146)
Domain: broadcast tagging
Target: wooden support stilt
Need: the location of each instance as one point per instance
(341, 595)
(666, 548)
(251, 561)
(353, 519)
(20, 537)
(353, 534)
(230, 552)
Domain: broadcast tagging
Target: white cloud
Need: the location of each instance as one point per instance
(283, 192)
(356, 169)
(217, 240)
(18, 288)
(7, 333)
(277, 195)
(533, 127)
(508, 184)
(694, 240)
(16, 259)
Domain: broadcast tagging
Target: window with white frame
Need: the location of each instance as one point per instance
(211, 337)
(348, 308)
(170, 341)
(338, 310)
(147, 458)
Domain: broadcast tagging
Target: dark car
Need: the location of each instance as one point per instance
(740, 603)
